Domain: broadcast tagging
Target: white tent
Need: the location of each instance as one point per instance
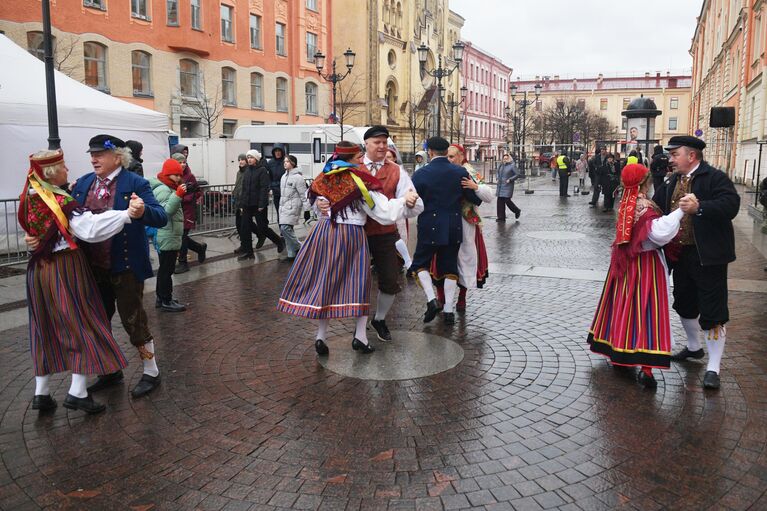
(82, 111)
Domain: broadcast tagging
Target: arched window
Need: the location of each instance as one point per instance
(391, 101)
(256, 90)
(311, 98)
(282, 95)
(95, 63)
(189, 77)
(35, 44)
(228, 86)
(141, 66)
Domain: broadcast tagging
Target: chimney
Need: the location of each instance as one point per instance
(600, 77)
(537, 78)
(657, 74)
(668, 73)
(647, 74)
(575, 84)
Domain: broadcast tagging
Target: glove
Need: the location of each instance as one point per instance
(180, 192)
(307, 216)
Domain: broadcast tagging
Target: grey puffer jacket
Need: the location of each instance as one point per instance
(293, 199)
(507, 174)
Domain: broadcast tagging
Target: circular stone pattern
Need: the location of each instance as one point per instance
(556, 235)
(410, 355)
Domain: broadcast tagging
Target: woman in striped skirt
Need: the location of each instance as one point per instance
(631, 325)
(330, 277)
(68, 327)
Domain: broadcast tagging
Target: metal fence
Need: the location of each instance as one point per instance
(13, 249)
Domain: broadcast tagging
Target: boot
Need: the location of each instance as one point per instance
(461, 305)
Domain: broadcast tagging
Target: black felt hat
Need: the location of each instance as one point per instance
(104, 143)
(685, 141)
(376, 131)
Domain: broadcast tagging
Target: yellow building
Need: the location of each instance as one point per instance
(387, 85)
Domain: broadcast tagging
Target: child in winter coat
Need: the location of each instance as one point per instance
(293, 201)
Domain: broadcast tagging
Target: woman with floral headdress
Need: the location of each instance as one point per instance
(330, 277)
(472, 256)
(631, 325)
(68, 327)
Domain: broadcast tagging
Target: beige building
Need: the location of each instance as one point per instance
(386, 85)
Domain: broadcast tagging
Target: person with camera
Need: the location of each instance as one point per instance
(191, 199)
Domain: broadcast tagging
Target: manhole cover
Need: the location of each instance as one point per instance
(556, 235)
(410, 355)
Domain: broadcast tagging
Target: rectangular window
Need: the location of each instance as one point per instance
(311, 46)
(229, 127)
(227, 33)
(311, 98)
(626, 102)
(311, 4)
(95, 62)
(256, 90)
(96, 4)
(282, 95)
(141, 67)
(255, 31)
(196, 16)
(624, 123)
(188, 78)
(672, 124)
(139, 9)
(757, 38)
(581, 103)
(171, 11)
(280, 39)
(229, 91)
(603, 104)
(673, 104)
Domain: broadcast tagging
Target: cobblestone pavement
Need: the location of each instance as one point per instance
(247, 419)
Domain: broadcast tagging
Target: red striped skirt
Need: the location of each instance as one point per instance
(330, 277)
(68, 328)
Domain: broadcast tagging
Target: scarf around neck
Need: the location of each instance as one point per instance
(343, 184)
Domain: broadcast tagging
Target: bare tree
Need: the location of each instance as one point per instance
(62, 54)
(348, 103)
(415, 119)
(208, 105)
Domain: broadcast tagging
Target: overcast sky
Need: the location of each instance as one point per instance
(582, 37)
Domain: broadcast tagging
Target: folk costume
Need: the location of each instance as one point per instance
(68, 327)
(330, 277)
(631, 325)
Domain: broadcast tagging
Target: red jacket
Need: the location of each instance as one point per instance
(189, 201)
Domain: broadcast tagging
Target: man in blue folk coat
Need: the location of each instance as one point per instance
(121, 264)
(439, 226)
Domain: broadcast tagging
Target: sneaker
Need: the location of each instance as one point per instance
(381, 330)
(181, 268)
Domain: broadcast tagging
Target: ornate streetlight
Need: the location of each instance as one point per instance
(334, 77)
(54, 142)
(523, 104)
(440, 73)
(452, 105)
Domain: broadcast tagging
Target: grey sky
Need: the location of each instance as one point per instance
(582, 37)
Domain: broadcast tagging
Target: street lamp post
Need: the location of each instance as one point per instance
(452, 105)
(54, 142)
(440, 73)
(523, 104)
(335, 77)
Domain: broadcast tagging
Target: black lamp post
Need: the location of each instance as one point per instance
(54, 142)
(440, 73)
(523, 104)
(335, 77)
(452, 105)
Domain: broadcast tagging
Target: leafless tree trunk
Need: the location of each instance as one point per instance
(347, 101)
(208, 106)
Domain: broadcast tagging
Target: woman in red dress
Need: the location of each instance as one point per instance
(631, 325)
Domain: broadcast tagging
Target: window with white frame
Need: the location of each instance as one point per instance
(227, 29)
(672, 123)
(255, 31)
(311, 98)
(282, 95)
(141, 67)
(96, 4)
(189, 77)
(311, 46)
(196, 14)
(673, 104)
(35, 44)
(603, 104)
(228, 86)
(256, 90)
(229, 127)
(311, 4)
(171, 12)
(139, 9)
(95, 63)
(280, 39)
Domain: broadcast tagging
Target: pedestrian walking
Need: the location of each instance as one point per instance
(440, 226)
(169, 192)
(582, 168)
(564, 168)
(330, 277)
(136, 164)
(659, 167)
(192, 198)
(610, 176)
(631, 324)
(701, 252)
(596, 165)
(420, 160)
(242, 163)
(276, 166)
(68, 327)
(293, 201)
(254, 201)
(504, 191)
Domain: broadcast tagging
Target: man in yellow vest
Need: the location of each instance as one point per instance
(563, 165)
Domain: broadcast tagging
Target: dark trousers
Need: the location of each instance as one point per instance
(276, 200)
(262, 223)
(384, 257)
(238, 224)
(597, 190)
(700, 290)
(609, 190)
(447, 259)
(501, 204)
(564, 181)
(124, 293)
(187, 243)
(164, 289)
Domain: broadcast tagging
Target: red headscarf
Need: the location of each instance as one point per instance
(460, 150)
(632, 176)
(170, 167)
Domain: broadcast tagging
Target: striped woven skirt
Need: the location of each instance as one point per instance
(330, 277)
(631, 325)
(68, 328)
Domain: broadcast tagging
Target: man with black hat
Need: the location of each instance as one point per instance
(700, 253)
(121, 264)
(440, 229)
(382, 239)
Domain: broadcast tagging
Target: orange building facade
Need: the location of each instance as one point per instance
(209, 65)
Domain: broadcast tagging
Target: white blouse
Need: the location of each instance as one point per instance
(385, 211)
(663, 230)
(94, 228)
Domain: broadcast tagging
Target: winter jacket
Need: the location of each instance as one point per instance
(168, 237)
(137, 166)
(719, 202)
(276, 168)
(506, 172)
(237, 190)
(193, 194)
(659, 165)
(293, 200)
(424, 158)
(255, 186)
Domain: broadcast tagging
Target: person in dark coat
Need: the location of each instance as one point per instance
(610, 178)
(136, 164)
(254, 201)
(276, 168)
(440, 226)
(242, 164)
(507, 174)
(659, 167)
(702, 250)
(595, 174)
(190, 200)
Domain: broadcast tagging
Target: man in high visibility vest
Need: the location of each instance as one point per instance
(563, 165)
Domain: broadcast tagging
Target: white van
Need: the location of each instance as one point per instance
(311, 144)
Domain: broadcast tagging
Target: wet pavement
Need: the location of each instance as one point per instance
(247, 418)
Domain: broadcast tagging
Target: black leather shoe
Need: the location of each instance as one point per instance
(686, 353)
(648, 382)
(448, 318)
(145, 385)
(260, 242)
(86, 404)
(181, 268)
(44, 403)
(203, 253)
(711, 380)
(432, 309)
(238, 250)
(382, 331)
(500, 220)
(280, 246)
(245, 257)
(172, 306)
(357, 345)
(105, 381)
(321, 348)
(517, 213)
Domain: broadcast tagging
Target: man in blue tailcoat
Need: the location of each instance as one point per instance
(439, 226)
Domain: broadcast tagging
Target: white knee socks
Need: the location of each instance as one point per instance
(42, 387)
(425, 279)
(360, 331)
(150, 364)
(78, 387)
(385, 302)
(322, 329)
(404, 254)
(715, 339)
(693, 331)
(451, 286)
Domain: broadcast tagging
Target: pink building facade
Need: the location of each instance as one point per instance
(484, 123)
